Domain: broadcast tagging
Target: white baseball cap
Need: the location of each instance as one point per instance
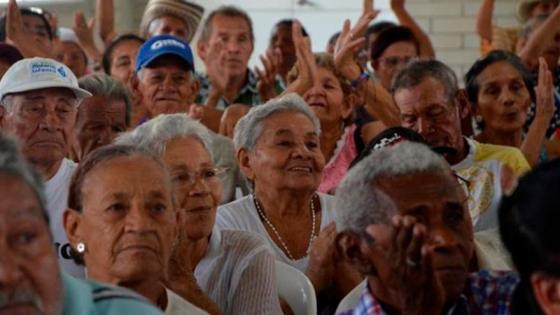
(39, 73)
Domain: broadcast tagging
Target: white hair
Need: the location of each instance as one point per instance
(154, 134)
(249, 127)
(359, 202)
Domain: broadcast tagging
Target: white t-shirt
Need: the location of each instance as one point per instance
(56, 189)
(242, 215)
(176, 305)
(237, 272)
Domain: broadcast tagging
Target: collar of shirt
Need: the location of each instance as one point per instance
(486, 292)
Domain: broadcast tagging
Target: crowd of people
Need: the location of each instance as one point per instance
(133, 182)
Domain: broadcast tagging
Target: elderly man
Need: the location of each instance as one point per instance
(39, 103)
(100, 117)
(402, 219)
(30, 279)
(174, 17)
(165, 79)
(226, 44)
(430, 103)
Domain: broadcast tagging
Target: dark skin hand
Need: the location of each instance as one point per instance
(414, 283)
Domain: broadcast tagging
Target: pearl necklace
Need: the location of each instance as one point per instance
(285, 247)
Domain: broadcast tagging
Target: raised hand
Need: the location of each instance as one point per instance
(267, 77)
(17, 35)
(413, 276)
(217, 73)
(322, 262)
(545, 94)
(349, 43)
(306, 65)
(84, 33)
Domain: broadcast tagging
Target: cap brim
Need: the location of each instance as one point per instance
(78, 92)
(155, 56)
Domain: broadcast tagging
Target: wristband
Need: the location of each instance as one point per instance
(364, 76)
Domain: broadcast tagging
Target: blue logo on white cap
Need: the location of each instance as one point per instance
(42, 67)
(166, 43)
(61, 71)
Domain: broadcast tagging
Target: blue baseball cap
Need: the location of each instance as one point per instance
(160, 45)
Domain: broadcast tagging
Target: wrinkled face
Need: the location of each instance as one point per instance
(287, 155)
(503, 97)
(128, 222)
(37, 28)
(30, 280)
(123, 60)
(100, 120)
(231, 41)
(167, 87)
(72, 55)
(426, 109)
(198, 196)
(393, 60)
(282, 39)
(326, 98)
(170, 25)
(438, 201)
(43, 121)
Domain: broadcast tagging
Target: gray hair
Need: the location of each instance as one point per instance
(249, 127)
(12, 163)
(154, 134)
(416, 72)
(100, 84)
(360, 203)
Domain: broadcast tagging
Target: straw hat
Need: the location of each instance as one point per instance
(189, 12)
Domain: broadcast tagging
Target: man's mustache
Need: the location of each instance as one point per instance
(21, 297)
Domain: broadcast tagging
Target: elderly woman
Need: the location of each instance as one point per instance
(31, 281)
(529, 228)
(100, 117)
(278, 150)
(234, 268)
(501, 90)
(332, 87)
(403, 220)
(122, 222)
(332, 99)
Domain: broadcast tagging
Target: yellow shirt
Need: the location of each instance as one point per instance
(488, 168)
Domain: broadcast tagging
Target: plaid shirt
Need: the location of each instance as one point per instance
(248, 95)
(486, 293)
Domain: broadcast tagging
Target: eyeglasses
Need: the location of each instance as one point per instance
(208, 175)
(396, 60)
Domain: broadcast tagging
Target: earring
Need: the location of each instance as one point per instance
(478, 119)
(81, 247)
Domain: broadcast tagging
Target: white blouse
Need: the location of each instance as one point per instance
(242, 215)
(238, 274)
